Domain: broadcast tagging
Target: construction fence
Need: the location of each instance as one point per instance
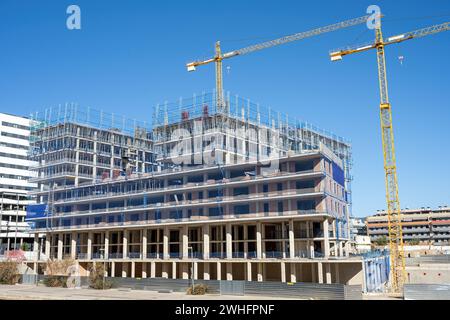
(299, 290)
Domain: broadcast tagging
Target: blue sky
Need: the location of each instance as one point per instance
(130, 55)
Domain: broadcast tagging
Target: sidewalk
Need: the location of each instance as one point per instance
(30, 292)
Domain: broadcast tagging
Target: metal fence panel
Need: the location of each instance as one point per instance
(300, 290)
(426, 292)
(236, 288)
(353, 292)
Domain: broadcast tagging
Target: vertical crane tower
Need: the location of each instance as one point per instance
(387, 134)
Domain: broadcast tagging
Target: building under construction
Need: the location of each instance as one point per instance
(238, 191)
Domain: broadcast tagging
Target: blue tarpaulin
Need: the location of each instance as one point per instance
(36, 211)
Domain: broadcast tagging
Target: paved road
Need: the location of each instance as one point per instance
(30, 292)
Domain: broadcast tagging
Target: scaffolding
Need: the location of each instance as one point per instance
(236, 116)
(73, 144)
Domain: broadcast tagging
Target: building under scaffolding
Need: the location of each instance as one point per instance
(73, 145)
(197, 131)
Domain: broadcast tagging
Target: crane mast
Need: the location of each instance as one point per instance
(392, 199)
(390, 169)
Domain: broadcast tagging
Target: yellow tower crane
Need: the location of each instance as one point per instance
(219, 57)
(393, 203)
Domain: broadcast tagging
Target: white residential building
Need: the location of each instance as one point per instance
(14, 185)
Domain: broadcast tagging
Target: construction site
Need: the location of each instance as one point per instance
(219, 190)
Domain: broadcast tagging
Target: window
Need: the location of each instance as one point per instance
(265, 188)
(216, 211)
(240, 191)
(110, 219)
(134, 217)
(242, 209)
(304, 184)
(97, 220)
(15, 125)
(13, 135)
(280, 186)
(200, 194)
(266, 207)
(306, 205)
(280, 206)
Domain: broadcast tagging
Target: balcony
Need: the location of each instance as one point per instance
(134, 255)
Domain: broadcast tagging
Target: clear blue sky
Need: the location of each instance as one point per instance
(130, 55)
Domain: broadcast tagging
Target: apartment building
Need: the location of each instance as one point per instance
(274, 211)
(422, 225)
(14, 184)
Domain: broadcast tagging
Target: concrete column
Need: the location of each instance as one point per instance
(133, 269)
(311, 249)
(89, 246)
(263, 242)
(152, 269)
(185, 270)
(336, 271)
(144, 244)
(206, 242)
(47, 245)
(347, 248)
(291, 239)
(260, 272)
(206, 271)
(283, 271)
(258, 240)
(229, 241)
(113, 269)
(326, 239)
(144, 270)
(165, 272)
(174, 270)
(320, 272)
(125, 244)
(219, 271)
(166, 243)
(341, 249)
(184, 242)
(195, 271)
(313, 273)
(35, 246)
(293, 272)
(229, 267)
(283, 243)
(328, 272)
(245, 235)
(249, 271)
(73, 246)
(60, 246)
(106, 248)
(124, 269)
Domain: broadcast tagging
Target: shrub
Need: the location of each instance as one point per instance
(199, 289)
(97, 278)
(9, 272)
(58, 267)
(55, 281)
